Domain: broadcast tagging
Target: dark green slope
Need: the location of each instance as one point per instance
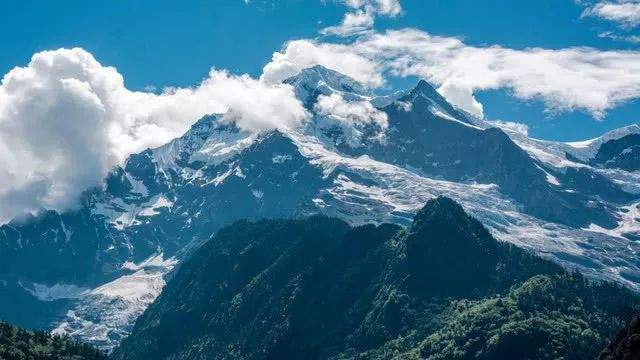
(319, 289)
(19, 344)
(625, 346)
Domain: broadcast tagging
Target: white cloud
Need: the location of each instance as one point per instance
(351, 116)
(634, 39)
(382, 7)
(462, 97)
(353, 23)
(624, 13)
(301, 54)
(565, 79)
(361, 20)
(251, 104)
(65, 120)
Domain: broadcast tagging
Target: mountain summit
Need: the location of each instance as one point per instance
(319, 80)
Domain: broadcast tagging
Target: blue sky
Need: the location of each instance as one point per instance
(162, 43)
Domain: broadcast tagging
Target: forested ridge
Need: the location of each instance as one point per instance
(21, 344)
(317, 288)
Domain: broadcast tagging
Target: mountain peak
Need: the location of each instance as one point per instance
(425, 93)
(204, 125)
(319, 69)
(319, 80)
(440, 208)
(332, 78)
(424, 88)
(587, 149)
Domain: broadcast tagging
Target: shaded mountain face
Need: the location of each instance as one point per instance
(52, 246)
(626, 345)
(440, 141)
(86, 261)
(159, 206)
(317, 288)
(622, 153)
(427, 134)
(122, 221)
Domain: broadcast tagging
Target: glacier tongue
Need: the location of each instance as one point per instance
(55, 292)
(104, 316)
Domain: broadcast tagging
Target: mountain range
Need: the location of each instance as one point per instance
(316, 288)
(91, 271)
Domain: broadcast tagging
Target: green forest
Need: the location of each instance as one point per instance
(20, 344)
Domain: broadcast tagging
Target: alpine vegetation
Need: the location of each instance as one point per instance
(317, 288)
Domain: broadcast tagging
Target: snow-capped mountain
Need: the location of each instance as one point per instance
(93, 270)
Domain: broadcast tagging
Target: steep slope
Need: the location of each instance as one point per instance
(19, 344)
(622, 153)
(76, 272)
(428, 135)
(626, 345)
(158, 205)
(440, 141)
(318, 80)
(316, 289)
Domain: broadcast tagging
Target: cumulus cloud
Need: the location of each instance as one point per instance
(565, 79)
(462, 97)
(252, 105)
(350, 116)
(301, 54)
(625, 13)
(66, 120)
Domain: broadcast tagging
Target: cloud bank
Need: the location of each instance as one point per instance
(66, 120)
(577, 78)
